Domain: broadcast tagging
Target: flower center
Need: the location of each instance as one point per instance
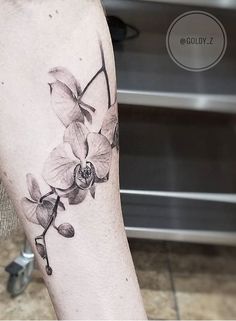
(84, 176)
(85, 172)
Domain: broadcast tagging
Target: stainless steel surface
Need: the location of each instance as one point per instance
(142, 211)
(224, 4)
(178, 169)
(27, 250)
(206, 237)
(199, 102)
(20, 271)
(147, 75)
(178, 156)
(210, 197)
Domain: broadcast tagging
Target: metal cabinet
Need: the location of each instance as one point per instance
(178, 129)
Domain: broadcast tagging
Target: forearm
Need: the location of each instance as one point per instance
(64, 135)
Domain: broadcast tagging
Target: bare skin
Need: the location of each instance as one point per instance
(48, 42)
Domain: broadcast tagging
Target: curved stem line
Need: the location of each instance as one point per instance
(102, 69)
(43, 235)
(106, 74)
(89, 83)
(46, 195)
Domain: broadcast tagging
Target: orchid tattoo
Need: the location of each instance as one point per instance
(82, 160)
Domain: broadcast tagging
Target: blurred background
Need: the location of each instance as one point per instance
(178, 177)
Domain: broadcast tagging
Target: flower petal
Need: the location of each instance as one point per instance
(109, 123)
(76, 196)
(87, 111)
(33, 187)
(116, 138)
(93, 190)
(66, 77)
(65, 103)
(59, 168)
(87, 115)
(102, 180)
(61, 206)
(41, 250)
(84, 105)
(76, 135)
(44, 213)
(64, 192)
(99, 153)
(96, 96)
(29, 208)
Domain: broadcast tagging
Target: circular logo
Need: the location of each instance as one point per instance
(196, 41)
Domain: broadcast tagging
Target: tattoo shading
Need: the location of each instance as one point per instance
(74, 168)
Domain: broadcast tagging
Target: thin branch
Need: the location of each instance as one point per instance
(46, 195)
(43, 235)
(102, 69)
(89, 83)
(53, 216)
(106, 74)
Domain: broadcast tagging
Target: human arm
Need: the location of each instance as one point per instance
(51, 52)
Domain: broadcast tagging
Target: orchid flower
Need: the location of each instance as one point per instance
(66, 97)
(76, 165)
(42, 210)
(110, 127)
(39, 208)
(83, 158)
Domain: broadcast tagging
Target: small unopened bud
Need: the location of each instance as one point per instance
(66, 230)
(41, 250)
(48, 270)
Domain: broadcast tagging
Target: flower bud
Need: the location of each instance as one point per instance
(48, 270)
(41, 250)
(66, 230)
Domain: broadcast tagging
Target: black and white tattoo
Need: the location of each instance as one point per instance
(79, 163)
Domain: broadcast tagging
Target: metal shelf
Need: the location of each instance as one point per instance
(181, 235)
(210, 197)
(175, 201)
(178, 179)
(224, 4)
(147, 75)
(198, 102)
(205, 237)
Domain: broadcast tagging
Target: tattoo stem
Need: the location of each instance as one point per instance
(89, 83)
(42, 236)
(102, 69)
(106, 74)
(46, 195)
